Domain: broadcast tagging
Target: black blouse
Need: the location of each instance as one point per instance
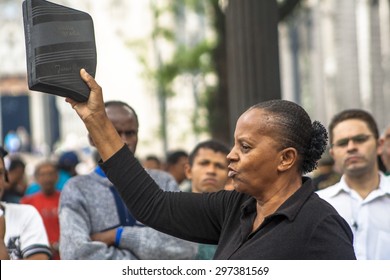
(305, 227)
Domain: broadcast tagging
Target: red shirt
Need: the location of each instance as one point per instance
(47, 206)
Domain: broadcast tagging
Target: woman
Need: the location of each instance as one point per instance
(273, 214)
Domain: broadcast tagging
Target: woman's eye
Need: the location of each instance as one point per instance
(245, 147)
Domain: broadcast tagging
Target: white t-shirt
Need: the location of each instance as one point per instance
(25, 233)
(369, 218)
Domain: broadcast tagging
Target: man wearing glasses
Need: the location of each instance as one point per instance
(362, 197)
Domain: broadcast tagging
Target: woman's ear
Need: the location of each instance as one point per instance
(288, 157)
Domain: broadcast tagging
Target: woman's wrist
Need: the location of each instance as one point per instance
(104, 135)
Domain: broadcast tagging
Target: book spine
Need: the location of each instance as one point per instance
(26, 6)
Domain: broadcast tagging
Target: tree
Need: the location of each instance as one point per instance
(222, 109)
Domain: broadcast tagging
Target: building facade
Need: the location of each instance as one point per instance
(336, 55)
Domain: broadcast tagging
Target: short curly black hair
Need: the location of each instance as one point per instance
(295, 129)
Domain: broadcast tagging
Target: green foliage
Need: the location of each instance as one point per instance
(165, 33)
(186, 60)
(197, 6)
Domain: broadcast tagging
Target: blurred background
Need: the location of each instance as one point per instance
(190, 68)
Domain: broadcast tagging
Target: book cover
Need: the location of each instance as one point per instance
(59, 42)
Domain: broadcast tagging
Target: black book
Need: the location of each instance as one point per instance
(59, 42)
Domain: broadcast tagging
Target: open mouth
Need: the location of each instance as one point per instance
(232, 173)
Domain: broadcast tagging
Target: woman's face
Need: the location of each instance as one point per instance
(255, 156)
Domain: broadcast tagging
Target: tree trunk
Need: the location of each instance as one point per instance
(218, 106)
(253, 58)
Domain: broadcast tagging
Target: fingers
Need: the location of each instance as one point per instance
(84, 75)
(95, 100)
(71, 102)
(90, 81)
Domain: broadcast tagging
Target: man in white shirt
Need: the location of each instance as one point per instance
(362, 197)
(21, 227)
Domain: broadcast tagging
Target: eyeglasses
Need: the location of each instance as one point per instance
(358, 139)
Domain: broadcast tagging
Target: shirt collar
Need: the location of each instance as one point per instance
(339, 187)
(291, 206)
(383, 188)
(384, 184)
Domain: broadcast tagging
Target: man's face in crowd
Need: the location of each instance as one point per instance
(208, 172)
(354, 148)
(47, 176)
(125, 124)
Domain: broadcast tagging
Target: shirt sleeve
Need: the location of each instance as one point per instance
(75, 241)
(147, 244)
(33, 237)
(191, 216)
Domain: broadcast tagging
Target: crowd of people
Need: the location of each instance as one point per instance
(282, 191)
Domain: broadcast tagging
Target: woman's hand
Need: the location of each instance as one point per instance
(94, 105)
(92, 112)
